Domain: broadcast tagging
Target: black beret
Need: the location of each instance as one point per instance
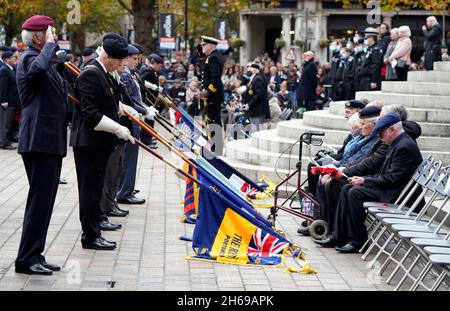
(87, 52)
(355, 104)
(7, 54)
(132, 50)
(139, 47)
(13, 49)
(155, 58)
(115, 45)
(4, 48)
(370, 112)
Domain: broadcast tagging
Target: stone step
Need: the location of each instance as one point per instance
(270, 141)
(256, 172)
(415, 114)
(408, 100)
(441, 66)
(242, 150)
(324, 119)
(422, 88)
(429, 76)
(294, 128)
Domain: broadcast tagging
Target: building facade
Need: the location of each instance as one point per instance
(308, 22)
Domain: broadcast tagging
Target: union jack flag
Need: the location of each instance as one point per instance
(248, 189)
(264, 244)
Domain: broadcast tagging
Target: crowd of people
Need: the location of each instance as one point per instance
(118, 80)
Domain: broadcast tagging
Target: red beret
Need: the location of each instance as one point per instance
(38, 23)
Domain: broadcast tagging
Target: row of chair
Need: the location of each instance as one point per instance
(415, 240)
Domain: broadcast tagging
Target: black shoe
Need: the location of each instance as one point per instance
(349, 248)
(303, 231)
(133, 200)
(36, 268)
(50, 266)
(109, 226)
(329, 241)
(108, 241)
(117, 213)
(62, 181)
(98, 244)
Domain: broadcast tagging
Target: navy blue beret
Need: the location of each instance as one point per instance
(355, 104)
(115, 45)
(4, 48)
(386, 121)
(370, 112)
(87, 52)
(155, 58)
(139, 47)
(132, 50)
(7, 54)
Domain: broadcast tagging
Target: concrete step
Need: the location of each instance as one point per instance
(294, 128)
(324, 119)
(255, 172)
(407, 100)
(243, 151)
(415, 114)
(270, 141)
(441, 66)
(422, 88)
(429, 76)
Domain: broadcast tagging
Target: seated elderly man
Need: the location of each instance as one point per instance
(402, 159)
(367, 120)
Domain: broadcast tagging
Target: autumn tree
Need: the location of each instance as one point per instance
(431, 5)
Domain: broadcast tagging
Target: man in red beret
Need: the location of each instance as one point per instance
(42, 138)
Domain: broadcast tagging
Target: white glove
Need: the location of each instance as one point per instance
(150, 114)
(241, 90)
(153, 87)
(108, 125)
(128, 109)
(4, 105)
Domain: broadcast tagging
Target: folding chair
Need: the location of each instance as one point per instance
(379, 213)
(440, 260)
(419, 178)
(418, 228)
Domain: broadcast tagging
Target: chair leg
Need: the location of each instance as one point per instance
(381, 251)
(439, 281)
(371, 235)
(390, 257)
(407, 274)
(421, 276)
(374, 243)
(399, 265)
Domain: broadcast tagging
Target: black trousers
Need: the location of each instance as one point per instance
(91, 169)
(332, 193)
(349, 224)
(43, 172)
(113, 171)
(128, 176)
(146, 138)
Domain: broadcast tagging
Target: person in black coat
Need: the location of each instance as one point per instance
(9, 97)
(433, 34)
(255, 98)
(402, 159)
(306, 92)
(95, 134)
(370, 71)
(149, 76)
(42, 139)
(385, 38)
(212, 90)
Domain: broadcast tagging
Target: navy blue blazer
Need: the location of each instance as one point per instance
(8, 87)
(43, 96)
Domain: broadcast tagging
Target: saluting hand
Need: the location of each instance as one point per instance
(50, 36)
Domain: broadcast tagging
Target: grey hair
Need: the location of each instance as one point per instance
(398, 126)
(433, 20)
(398, 109)
(27, 37)
(353, 120)
(396, 30)
(371, 120)
(376, 103)
(405, 30)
